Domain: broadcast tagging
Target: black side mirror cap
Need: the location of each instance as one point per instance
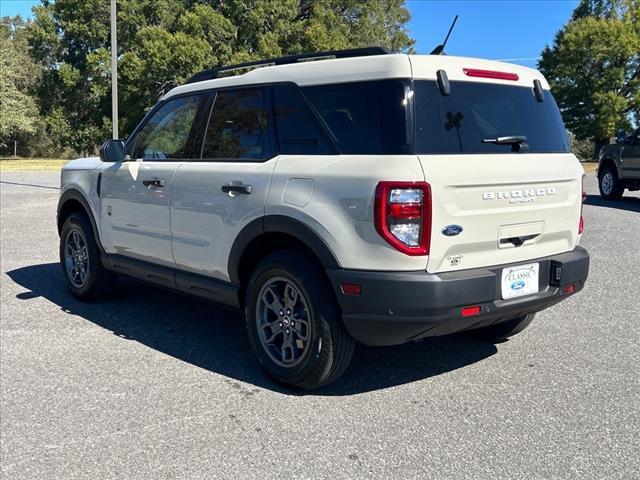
(113, 151)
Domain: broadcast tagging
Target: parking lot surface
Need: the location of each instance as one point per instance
(155, 385)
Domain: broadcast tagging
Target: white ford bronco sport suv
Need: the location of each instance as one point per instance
(339, 197)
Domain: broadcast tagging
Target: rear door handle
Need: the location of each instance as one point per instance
(244, 189)
(154, 183)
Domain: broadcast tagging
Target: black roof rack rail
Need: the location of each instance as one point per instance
(212, 73)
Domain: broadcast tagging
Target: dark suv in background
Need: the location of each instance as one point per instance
(620, 166)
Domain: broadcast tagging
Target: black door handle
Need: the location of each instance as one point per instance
(153, 183)
(244, 189)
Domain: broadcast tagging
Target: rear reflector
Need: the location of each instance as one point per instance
(569, 288)
(471, 311)
(351, 288)
(474, 72)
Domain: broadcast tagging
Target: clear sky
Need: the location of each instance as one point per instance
(516, 29)
(497, 29)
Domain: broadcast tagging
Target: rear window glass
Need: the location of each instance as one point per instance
(364, 117)
(474, 112)
(238, 126)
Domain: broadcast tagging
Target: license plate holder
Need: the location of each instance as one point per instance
(520, 280)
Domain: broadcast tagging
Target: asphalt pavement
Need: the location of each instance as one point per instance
(155, 385)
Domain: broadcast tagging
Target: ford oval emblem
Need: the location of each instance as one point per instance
(518, 285)
(452, 230)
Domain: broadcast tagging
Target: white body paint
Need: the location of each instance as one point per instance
(191, 224)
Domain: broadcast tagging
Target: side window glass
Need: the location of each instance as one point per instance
(238, 126)
(165, 136)
(298, 132)
(352, 114)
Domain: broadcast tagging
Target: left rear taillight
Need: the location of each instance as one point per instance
(584, 197)
(403, 215)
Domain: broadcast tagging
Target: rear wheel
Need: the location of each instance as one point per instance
(609, 184)
(86, 277)
(502, 331)
(293, 322)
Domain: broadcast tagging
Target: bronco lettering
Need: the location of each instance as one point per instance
(519, 194)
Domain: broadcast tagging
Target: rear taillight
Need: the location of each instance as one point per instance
(403, 215)
(584, 197)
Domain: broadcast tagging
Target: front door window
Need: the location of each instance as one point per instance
(166, 135)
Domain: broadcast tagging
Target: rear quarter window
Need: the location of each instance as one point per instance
(364, 117)
(476, 111)
(299, 133)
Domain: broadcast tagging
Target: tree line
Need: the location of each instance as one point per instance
(55, 80)
(60, 86)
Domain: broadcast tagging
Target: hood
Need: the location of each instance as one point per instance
(88, 163)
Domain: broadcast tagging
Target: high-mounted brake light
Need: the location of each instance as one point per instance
(475, 72)
(584, 197)
(403, 215)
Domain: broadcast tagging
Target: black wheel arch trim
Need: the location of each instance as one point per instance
(606, 162)
(278, 224)
(76, 195)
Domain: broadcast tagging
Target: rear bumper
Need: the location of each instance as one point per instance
(397, 307)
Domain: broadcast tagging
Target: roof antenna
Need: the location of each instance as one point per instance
(439, 50)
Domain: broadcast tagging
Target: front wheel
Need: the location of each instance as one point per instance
(293, 322)
(502, 331)
(86, 277)
(609, 184)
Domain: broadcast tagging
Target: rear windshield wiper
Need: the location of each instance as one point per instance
(517, 142)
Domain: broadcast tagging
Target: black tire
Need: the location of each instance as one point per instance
(98, 281)
(609, 184)
(502, 331)
(328, 348)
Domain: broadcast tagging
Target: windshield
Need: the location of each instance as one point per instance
(486, 118)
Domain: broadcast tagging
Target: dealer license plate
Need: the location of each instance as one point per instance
(520, 280)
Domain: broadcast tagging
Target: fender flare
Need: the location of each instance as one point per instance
(616, 161)
(278, 224)
(76, 195)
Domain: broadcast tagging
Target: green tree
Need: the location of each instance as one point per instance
(18, 75)
(161, 43)
(594, 68)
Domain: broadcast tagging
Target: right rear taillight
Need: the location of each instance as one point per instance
(403, 215)
(584, 197)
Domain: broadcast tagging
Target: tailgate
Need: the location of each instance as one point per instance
(511, 207)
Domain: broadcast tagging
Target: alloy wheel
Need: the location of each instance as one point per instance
(607, 183)
(282, 317)
(76, 257)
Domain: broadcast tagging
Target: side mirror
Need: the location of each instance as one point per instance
(621, 136)
(113, 151)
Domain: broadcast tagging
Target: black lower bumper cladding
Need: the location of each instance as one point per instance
(397, 307)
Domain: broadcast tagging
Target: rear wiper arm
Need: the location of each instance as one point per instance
(517, 142)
